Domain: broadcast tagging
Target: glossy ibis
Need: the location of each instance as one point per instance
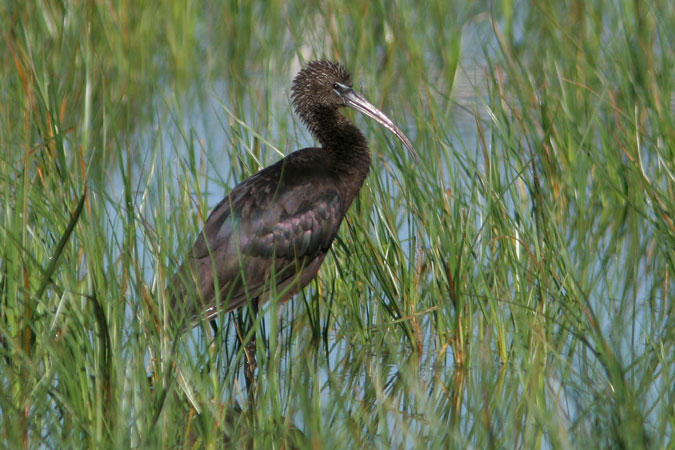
(272, 232)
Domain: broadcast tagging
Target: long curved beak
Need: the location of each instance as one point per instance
(356, 101)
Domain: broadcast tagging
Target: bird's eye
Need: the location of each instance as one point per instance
(336, 86)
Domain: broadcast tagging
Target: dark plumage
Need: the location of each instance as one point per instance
(272, 232)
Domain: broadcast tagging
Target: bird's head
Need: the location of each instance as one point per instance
(318, 85)
(326, 86)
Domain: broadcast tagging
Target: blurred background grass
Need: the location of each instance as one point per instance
(513, 290)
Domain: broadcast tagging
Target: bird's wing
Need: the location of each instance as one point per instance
(266, 231)
(264, 217)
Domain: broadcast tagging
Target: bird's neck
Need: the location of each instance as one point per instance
(345, 147)
(340, 139)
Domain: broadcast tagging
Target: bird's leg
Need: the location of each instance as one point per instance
(214, 327)
(250, 363)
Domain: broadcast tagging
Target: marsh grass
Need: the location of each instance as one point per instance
(515, 289)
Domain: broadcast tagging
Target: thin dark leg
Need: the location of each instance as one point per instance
(214, 327)
(250, 363)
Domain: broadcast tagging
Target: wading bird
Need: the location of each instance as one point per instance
(272, 232)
